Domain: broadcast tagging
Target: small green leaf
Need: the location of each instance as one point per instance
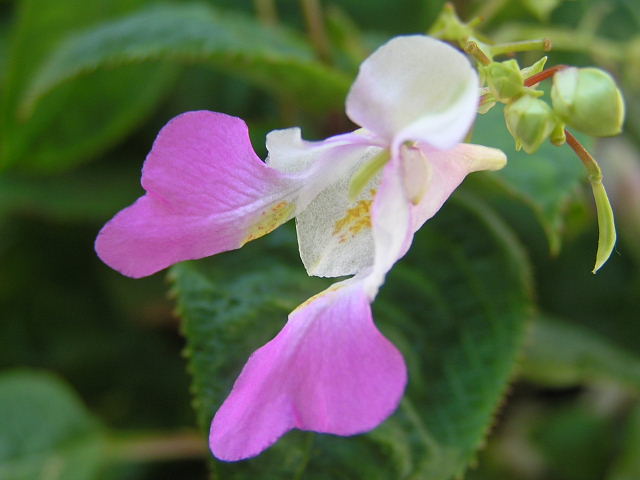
(271, 57)
(46, 432)
(457, 321)
(563, 354)
(606, 225)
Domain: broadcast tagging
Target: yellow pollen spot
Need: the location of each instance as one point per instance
(356, 219)
(270, 219)
(331, 289)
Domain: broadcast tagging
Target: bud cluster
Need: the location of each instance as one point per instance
(586, 99)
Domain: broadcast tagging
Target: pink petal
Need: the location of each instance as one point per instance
(448, 169)
(391, 219)
(207, 192)
(329, 370)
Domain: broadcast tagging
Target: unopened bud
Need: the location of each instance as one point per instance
(588, 100)
(530, 121)
(504, 80)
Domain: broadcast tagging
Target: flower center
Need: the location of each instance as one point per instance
(355, 220)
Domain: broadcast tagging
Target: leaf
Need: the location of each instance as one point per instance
(565, 354)
(83, 117)
(545, 180)
(273, 58)
(46, 432)
(458, 322)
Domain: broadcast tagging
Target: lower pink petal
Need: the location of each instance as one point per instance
(329, 370)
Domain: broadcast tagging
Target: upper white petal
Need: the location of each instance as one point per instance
(415, 88)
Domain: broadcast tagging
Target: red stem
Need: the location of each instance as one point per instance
(538, 77)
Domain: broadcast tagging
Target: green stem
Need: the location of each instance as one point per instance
(315, 26)
(473, 49)
(565, 39)
(524, 46)
(266, 11)
(156, 447)
(489, 9)
(606, 225)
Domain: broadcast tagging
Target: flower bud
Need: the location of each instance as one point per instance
(530, 121)
(504, 80)
(588, 100)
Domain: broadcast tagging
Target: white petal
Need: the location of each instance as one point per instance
(415, 88)
(321, 163)
(447, 169)
(334, 231)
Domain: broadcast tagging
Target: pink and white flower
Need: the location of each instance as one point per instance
(357, 198)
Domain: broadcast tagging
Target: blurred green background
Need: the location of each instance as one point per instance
(523, 364)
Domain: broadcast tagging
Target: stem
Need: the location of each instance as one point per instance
(606, 225)
(543, 75)
(605, 51)
(473, 49)
(315, 25)
(267, 13)
(155, 447)
(524, 46)
(489, 9)
(588, 161)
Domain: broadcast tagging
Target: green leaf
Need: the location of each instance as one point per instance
(545, 180)
(46, 431)
(456, 307)
(565, 354)
(82, 117)
(271, 57)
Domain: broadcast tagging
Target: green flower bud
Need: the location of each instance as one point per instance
(588, 100)
(530, 121)
(504, 80)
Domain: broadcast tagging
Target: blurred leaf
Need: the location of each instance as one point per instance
(566, 354)
(545, 180)
(458, 323)
(85, 115)
(541, 8)
(86, 195)
(273, 58)
(46, 432)
(575, 442)
(627, 464)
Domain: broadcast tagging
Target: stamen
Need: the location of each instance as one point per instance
(363, 176)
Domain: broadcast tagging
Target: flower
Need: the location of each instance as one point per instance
(357, 198)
